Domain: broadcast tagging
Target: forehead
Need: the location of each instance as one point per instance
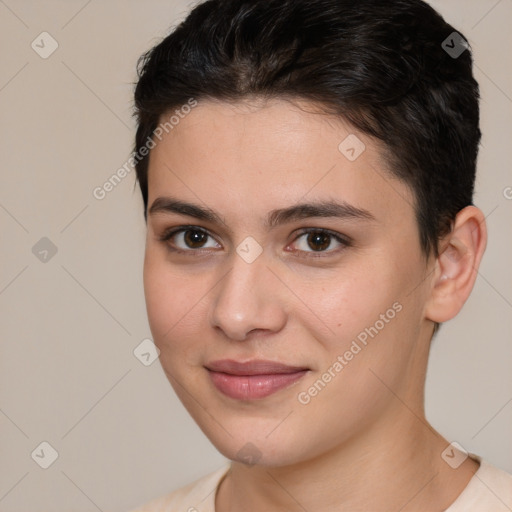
(251, 157)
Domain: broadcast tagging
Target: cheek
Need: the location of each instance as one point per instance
(157, 295)
(172, 300)
(176, 309)
(368, 318)
(343, 304)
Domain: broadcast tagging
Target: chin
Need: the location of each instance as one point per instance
(256, 441)
(265, 454)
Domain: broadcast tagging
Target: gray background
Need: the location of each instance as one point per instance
(69, 324)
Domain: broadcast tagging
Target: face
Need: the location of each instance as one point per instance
(284, 280)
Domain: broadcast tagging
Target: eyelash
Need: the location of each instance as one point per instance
(343, 240)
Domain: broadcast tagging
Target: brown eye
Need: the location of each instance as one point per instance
(320, 241)
(194, 239)
(188, 239)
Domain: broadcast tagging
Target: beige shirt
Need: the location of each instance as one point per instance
(489, 490)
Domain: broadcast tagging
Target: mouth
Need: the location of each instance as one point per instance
(252, 380)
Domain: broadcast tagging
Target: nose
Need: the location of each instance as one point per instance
(248, 298)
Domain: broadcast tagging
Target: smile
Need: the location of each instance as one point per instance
(254, 379)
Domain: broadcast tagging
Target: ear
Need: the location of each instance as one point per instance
(456, 267)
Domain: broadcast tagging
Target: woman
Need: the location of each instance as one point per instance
(307, 170)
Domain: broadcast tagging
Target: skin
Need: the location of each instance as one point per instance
(362, 442)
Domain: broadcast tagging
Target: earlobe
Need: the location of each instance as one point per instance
(456, 267)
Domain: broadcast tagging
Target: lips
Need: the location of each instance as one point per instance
(252, 380)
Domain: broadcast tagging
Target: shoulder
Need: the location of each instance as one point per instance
(490, 490)
(198, 496)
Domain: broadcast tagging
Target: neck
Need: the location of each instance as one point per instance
(384, 468)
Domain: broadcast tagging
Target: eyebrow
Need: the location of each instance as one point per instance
(341, 210)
